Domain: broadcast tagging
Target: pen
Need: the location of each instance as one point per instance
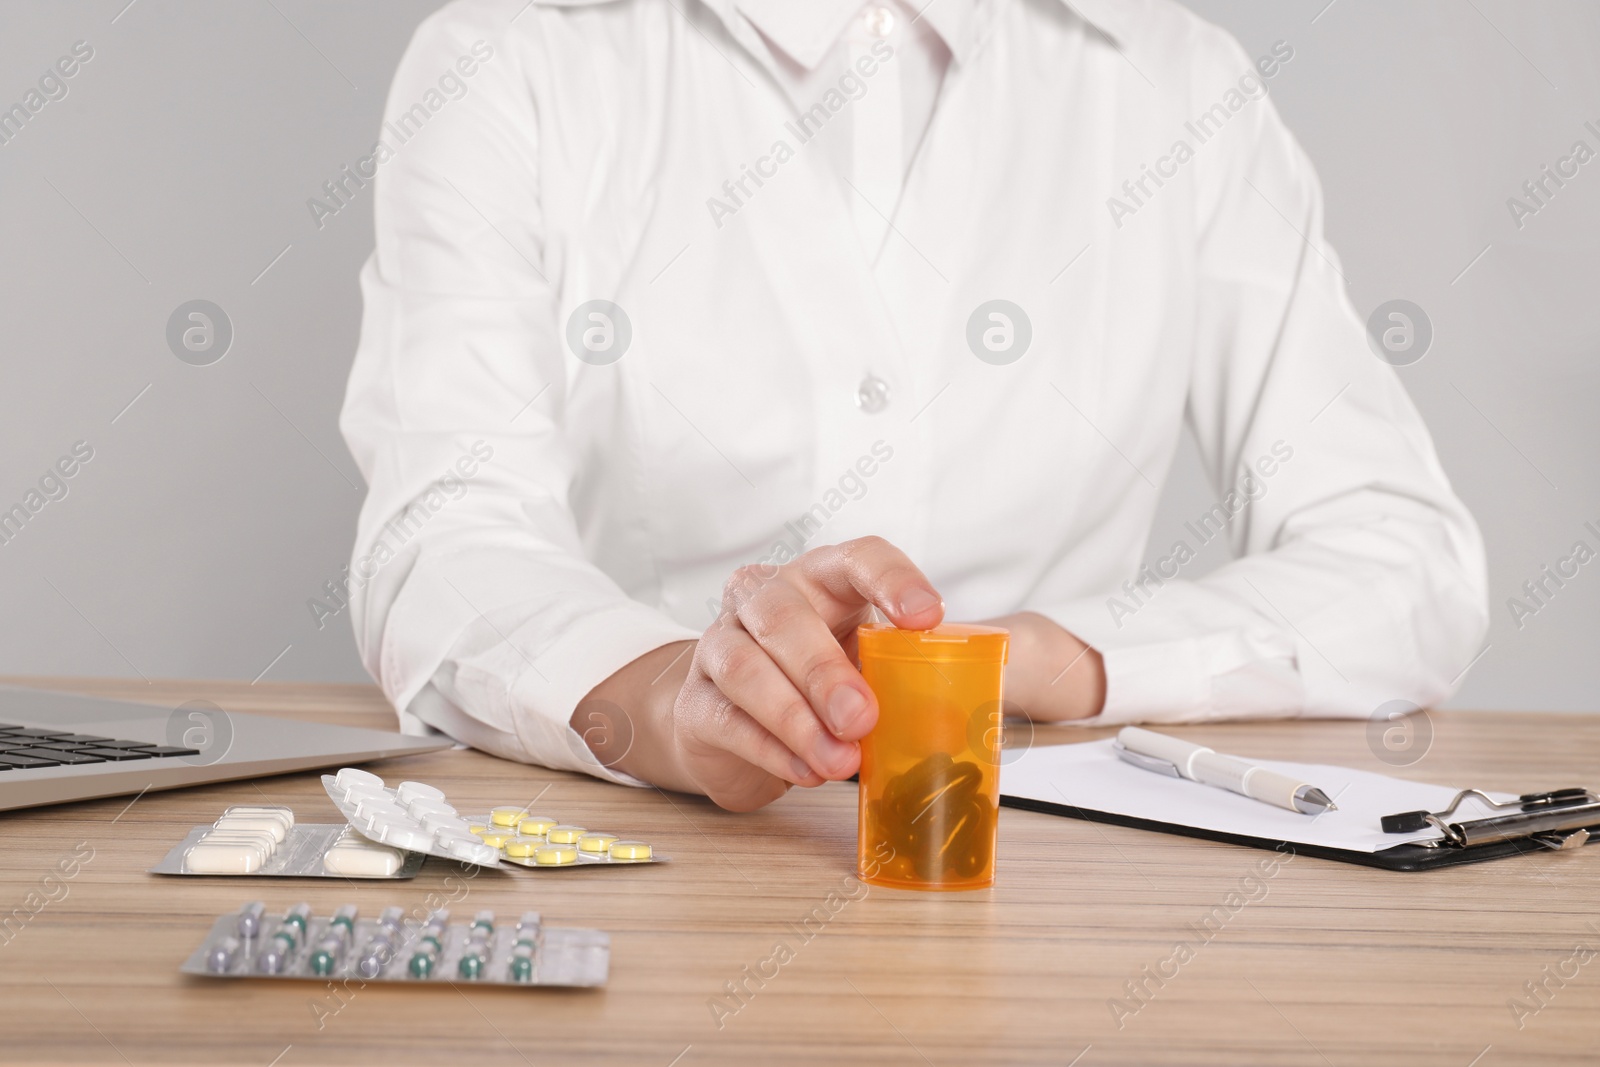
(1180, 759)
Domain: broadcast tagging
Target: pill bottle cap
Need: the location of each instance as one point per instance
(946, 643)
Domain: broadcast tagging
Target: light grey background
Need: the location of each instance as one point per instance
(180, 162)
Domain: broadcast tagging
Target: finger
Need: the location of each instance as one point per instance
(733, 784)
(722, 740)
(787, 627)
(744, 673)
(869, 570)
(739, 796)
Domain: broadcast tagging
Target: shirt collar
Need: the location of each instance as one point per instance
(806, 29)
(803, 29)
(1110, 17)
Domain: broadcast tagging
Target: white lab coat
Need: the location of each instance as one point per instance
(790, 381)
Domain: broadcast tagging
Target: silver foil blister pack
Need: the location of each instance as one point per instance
(400, 948)
(417, 817)
(304, 853)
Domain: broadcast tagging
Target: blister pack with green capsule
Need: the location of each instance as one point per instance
(400, 947)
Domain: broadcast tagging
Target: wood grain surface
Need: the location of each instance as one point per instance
(1327, 964)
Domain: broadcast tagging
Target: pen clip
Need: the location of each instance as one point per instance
(1149, 763)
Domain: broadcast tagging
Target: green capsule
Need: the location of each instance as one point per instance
(522, 969)
(421, 964)
(322, 962)
(471, 967)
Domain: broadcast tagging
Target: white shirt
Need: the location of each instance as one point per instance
(871, 142)
(792, 373)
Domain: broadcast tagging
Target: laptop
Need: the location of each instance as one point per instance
(60, 747)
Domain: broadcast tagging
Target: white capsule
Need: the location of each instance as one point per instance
(266, 824)
(261, 842)
(362, 861)
(280, 812)
(212, 858)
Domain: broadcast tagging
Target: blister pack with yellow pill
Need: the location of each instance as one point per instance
(416, 816)
(416, 947)
(263, 840)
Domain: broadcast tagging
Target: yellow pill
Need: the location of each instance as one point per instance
(555, 855)
(595, 842)
(496, 838)
(479, 827)
(564, 835)
(506, 816)
(630, 850)
(523, 847)
(535, 825)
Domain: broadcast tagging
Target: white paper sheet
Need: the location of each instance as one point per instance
(1091, 776)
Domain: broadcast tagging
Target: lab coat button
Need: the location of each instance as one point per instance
(879, 21)
(872, 395)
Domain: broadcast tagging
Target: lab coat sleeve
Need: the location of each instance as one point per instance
(1359, 576)
(473, 602)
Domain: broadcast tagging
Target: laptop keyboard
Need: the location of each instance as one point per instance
(24, 747)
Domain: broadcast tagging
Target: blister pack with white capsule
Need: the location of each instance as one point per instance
(263, 840)
(414, 815)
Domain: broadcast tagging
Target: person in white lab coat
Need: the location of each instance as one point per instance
(696, 330)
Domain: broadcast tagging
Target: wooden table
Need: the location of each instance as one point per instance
(1330, 965)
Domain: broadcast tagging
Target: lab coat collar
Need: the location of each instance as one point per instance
(1110, 17)
(806, 30)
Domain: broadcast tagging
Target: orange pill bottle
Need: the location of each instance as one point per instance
(930, 768)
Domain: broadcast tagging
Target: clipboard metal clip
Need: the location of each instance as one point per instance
(1561, 841)
(1561, 819)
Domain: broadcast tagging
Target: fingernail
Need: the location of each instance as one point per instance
(918, 601)
(802, 769)
(845, 705)
(834, 756)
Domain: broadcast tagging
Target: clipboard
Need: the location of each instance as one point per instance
(1087, 781)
